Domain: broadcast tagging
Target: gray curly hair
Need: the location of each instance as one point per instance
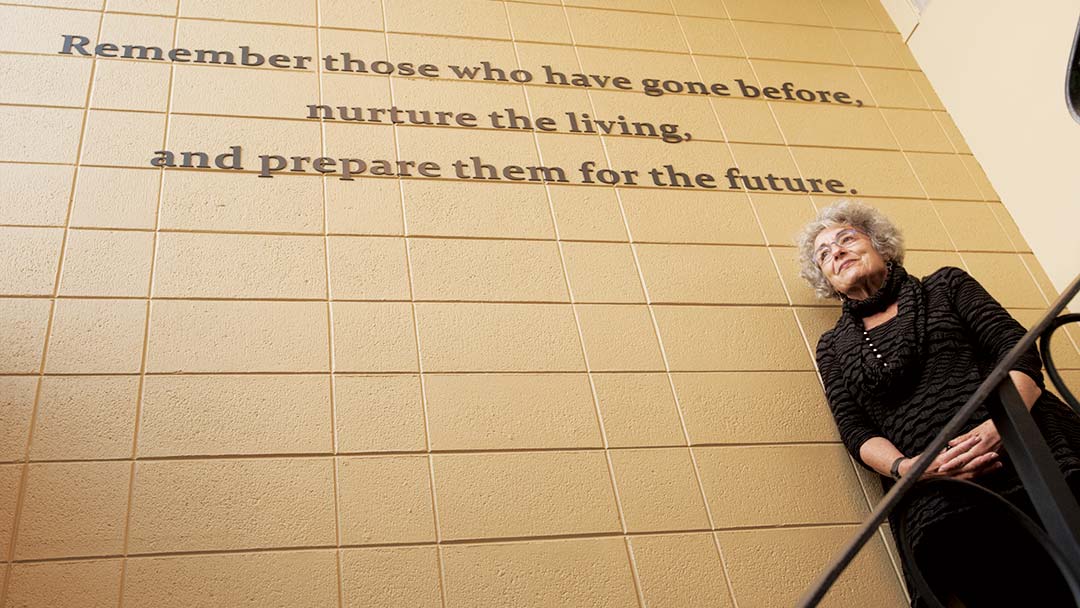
(884, 236)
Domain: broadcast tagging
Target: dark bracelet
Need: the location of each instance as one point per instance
(894, 472)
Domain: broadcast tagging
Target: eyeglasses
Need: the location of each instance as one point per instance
(844, 239)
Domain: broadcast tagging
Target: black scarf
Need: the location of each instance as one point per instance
(905, 356)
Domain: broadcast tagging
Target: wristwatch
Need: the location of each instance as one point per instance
(894, 472)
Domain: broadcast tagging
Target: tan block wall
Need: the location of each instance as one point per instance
(217, 389)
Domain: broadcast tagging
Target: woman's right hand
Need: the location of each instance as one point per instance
(965, 463)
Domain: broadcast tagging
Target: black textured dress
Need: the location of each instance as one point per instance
(904, 379)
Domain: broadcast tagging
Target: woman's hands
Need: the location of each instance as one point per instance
(976, 452)
(970, 455)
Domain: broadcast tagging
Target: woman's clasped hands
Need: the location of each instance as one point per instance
(967, 456)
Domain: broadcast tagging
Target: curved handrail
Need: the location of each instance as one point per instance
(1048, 360)
(885, 506)
(1011, 511)
(1072, 77)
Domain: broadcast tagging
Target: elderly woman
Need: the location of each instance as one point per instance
(904, 356)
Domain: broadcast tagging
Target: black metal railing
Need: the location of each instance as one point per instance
(1045, 485)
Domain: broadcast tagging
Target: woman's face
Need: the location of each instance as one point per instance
(849, 261)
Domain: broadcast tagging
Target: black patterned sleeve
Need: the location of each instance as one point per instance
(851, 420)
(991, 326)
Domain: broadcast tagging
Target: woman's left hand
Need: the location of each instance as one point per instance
(989, 441)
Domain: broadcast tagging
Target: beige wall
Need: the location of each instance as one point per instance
(1000, 68)
(303, 391)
